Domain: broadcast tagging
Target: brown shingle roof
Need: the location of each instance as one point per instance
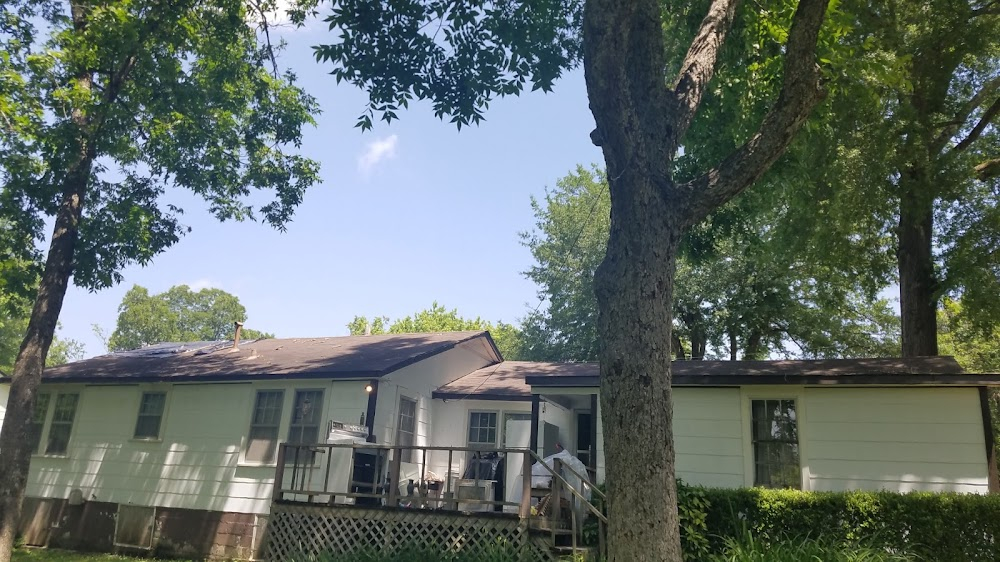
(333, 357)
(512, 380)
(891, 371)
(505, 381)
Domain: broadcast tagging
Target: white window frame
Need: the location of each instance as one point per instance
(408, 454)
(39, 448)
(796, 393)
(244, 460)
(50, 419)
(143, 391)
(496, 430)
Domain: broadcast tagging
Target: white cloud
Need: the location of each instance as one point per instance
(200, 284)
(381, 149)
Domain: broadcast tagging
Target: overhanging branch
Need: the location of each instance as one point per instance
(800, 92)
(988, 169)
(699, 63)
(988, 116)
(952, 127)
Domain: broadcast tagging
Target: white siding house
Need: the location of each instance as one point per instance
(184, 439)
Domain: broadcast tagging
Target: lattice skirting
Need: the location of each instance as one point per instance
(303, 533)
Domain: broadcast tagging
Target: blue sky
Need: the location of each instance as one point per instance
(405, 215)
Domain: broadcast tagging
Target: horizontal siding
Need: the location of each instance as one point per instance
(197, 463)
(900, 439)
(709, 436)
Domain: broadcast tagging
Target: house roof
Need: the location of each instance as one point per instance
(334, 357)
(932, 371)
(503, 381)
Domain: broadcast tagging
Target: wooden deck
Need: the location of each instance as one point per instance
(348, 499)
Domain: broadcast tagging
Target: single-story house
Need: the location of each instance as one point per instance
(173, 447)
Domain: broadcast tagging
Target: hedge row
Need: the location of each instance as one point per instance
(928, 526)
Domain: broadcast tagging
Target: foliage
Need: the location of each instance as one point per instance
(749, 549)
(737, 282)
(12, 329)
(930, 526)
(459, 55)
(438, 318)
(976, 348)
(178, 315)
(162, 95)
(56, 555)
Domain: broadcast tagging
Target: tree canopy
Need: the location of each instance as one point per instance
(104, 107)
(439, 318)
(741, 292)
(178, 315)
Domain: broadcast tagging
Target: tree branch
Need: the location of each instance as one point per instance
(800, 92)
(699, 63)
(988, 169)
(976, 131)
(952, 127)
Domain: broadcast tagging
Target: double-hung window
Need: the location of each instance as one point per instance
(150, 418)
(306, 413)
(262, 440)
(61, 426)
(407, 428)
(482, 429)
(38, 421)
(775, 438)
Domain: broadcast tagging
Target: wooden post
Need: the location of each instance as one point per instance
(279, 474)
(556, 492)
(525, 510)
(394, 477)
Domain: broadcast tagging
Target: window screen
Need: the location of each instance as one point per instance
(775, 444)
(482, 428)
(38, 421)
(406, 430)
(263, 438)
(147, 424)
(62, 424)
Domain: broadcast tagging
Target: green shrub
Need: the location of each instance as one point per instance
(752, 549)
(930, 526)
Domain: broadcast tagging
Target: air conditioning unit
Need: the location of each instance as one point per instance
(474, 490)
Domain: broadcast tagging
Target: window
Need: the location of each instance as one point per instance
(407, 427)
(482, 428)
(147, 424)
(263, 438)
(306, 414)
(38, 421)
(62, 424)
(775, 444)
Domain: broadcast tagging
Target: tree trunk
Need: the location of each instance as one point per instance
(915, 258)
(27, 376)
(753, 350)
(634, 287)
(678, 347)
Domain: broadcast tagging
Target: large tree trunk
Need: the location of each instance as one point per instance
(915, 258)
(27, 376)
(640, 124)
(634, 287)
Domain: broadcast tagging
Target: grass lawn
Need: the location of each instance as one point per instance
(52, 555)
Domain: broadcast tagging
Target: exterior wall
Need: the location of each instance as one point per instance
(708, 436)
(197, 464)
(418, 382)
(899, 439)
(4, 391)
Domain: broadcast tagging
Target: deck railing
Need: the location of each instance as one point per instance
(329, 474)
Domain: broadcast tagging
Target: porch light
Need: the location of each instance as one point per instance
(369, 388)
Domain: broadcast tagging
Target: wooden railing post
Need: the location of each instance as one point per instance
(394, 477)
(279, 474)
(525, 510)
(556, 491)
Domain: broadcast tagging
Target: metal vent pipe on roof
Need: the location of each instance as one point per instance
(236, 338)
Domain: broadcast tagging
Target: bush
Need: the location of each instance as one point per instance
(930, 526)
(752, 549)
